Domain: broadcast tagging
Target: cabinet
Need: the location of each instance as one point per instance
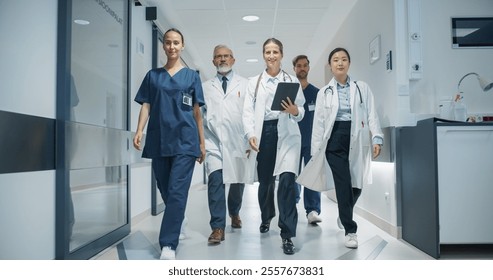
(445, 177)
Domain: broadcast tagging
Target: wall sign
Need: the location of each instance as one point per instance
(375, 49)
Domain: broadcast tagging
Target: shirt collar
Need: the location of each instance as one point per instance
(269, 79)
(340, 86)
(229, 75)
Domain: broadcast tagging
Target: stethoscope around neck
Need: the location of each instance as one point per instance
(329, 91)
(284, 75)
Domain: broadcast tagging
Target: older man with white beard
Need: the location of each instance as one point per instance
(225, 142)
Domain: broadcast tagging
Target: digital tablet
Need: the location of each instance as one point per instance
(283, 91)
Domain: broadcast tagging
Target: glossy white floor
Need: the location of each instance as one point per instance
(322, 242)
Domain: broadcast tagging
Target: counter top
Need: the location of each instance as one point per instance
(444, 122)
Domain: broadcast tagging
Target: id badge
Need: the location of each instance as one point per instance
(187, 99)
(311, 107)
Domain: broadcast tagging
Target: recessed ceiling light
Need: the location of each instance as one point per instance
(250, 18)
(250, 42)
(81, 21)
(252, 60)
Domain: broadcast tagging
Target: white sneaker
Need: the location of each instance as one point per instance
(351, 240)
(168, 254)
(339, 223)
(313, 218)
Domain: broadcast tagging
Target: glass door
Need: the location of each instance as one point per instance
(94, 175)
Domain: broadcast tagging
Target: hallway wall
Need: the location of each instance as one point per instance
(28, 86)
(443, 66)
(140, 174)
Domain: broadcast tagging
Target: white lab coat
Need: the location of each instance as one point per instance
(365, 124)
(225, 142)
(289, 136)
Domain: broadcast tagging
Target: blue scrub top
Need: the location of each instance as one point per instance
(306, 124)
(172, 129)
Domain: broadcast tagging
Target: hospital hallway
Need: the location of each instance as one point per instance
(320, 242)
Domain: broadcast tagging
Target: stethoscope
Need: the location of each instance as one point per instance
(331, 91)
(284, 75)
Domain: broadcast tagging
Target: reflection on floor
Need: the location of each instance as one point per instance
(322, 242)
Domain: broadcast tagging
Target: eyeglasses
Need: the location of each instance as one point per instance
(223, 56)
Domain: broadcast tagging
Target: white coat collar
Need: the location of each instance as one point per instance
(229, 75)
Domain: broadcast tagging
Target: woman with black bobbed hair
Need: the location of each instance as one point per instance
(346, 133)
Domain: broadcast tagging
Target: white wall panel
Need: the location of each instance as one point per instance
(27, 215)
(443, 66)
(28, 29)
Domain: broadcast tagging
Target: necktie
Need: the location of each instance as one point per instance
(225, 83)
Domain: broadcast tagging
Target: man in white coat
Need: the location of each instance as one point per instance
(225, 142)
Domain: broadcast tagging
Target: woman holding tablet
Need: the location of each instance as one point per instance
(275, 139)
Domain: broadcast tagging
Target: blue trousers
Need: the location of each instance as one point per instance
(337, 154)
(216, 194)
(286, 191)
(173, 177)
(311, 199)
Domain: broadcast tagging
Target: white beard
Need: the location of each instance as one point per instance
(223, 69)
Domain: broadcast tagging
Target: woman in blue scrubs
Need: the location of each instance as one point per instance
(171, 97)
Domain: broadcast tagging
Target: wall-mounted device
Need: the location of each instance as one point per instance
(388, 63)
(472, 32)
(415, 40)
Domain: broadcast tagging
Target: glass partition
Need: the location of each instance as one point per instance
(99, 99)
(94, 172)
(98, 62)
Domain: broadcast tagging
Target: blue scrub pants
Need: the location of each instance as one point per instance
(337, 154)
(216, 193)
(286, 191)
(311, 199)
(173, 176)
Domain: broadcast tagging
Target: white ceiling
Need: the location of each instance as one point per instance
(303, 26)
